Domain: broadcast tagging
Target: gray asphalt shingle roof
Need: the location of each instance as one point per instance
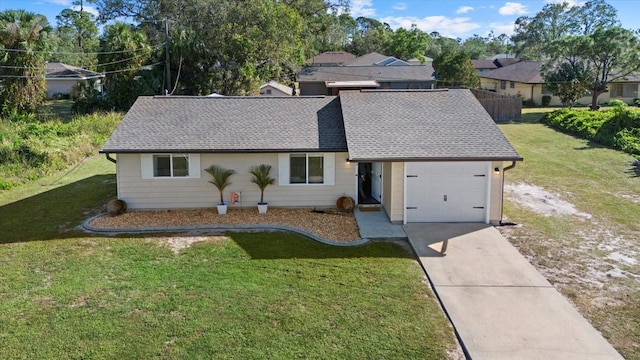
(57, 70)
(527, 72)
(436, 125)
(230, 124)
(379, 73)
(421, 125)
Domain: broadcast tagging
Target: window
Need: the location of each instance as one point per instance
(306, 169)
(503, 84)
(512, 84)
(268, 91)
(170, 166)
(623, 90)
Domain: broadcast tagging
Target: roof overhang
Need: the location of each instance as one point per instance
(442, 159)
(352, 84)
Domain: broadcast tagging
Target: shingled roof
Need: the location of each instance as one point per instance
(230, 124)
(527, 72)
(379, 73)
(437, 125)
(63, 71)
(372, 125)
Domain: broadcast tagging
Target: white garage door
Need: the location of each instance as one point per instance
(447, 191)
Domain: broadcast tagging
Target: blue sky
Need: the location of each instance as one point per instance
(453, 18)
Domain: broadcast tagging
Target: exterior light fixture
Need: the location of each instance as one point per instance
(496, 171)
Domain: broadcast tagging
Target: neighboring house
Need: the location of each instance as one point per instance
(313, 79)
(274, 88)
(331, 58)
(424, 156)
(62, 79)
(523, 79)
(377, 59)
(483, 66)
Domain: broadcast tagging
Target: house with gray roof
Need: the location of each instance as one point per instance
(61, 79)
(274, 88)
(408, 152)
(313, 79)
(331, 58)
(524, 79)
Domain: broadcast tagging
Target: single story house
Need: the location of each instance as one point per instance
(313, 79)
(61, 79)
(523, 79)
(415, 154)
(274, 88)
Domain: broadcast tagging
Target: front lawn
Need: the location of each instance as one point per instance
(67, 294)
(593, 258)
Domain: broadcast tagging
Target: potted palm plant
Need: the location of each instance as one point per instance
(262, 179)
(220, 179)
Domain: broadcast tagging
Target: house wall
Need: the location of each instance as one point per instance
(393, 190)
(173, 193)
(59, 87)
(274, 91)
(312, 88)
(534, 91)
(497, 193)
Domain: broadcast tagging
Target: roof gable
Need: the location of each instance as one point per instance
(278, 86)
(421, 125)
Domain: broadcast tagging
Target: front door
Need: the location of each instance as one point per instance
(369, 183)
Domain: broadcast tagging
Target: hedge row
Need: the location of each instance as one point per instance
(618, 128)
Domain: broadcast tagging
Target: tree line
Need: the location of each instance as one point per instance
(231, 47)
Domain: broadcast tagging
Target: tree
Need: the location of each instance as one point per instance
(77, 38)
(568, 81)
(370, 36)
(406, 44)
(124, 51)
(22, 69)
(456, 69)
(440, 44)
(479, 47)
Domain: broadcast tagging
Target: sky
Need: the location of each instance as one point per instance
(452, 18)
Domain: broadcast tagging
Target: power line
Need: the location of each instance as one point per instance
(78, 53)
(102, 73)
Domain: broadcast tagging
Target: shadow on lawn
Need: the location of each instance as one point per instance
(282, 245)
(56, 213)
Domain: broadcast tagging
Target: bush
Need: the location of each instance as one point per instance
(618, 128)
(529, 103)
(546, 100)
(636, 101)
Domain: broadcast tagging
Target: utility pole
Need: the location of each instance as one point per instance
(167, 66)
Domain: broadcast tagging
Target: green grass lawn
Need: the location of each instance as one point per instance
(595, 262)
(68, 294)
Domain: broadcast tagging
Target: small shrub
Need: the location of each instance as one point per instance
(546, 100)
(636, 101)
(529, 103)
(116, 207)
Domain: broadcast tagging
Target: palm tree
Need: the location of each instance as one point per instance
(22, 70)
(220, 179)
(261, 178)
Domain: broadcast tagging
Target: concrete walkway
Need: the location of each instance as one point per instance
(375, 225)
(500, 305)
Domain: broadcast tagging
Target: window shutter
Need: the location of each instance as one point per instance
(146, 166)
(194, 166)
(329, 168)
(283, 169)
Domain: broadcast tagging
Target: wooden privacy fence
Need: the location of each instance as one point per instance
(500, 107)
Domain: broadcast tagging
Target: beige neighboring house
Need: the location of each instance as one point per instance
(62, 79)
(523, 79)
(274, 88)
(421, 156)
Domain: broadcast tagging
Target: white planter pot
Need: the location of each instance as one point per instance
(222, 209)
(262, 208)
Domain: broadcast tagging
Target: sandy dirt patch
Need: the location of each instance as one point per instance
(541, 201)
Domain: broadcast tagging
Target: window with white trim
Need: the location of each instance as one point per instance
(170, 166)
(306, 169)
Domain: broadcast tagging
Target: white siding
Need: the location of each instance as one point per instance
(168, 193)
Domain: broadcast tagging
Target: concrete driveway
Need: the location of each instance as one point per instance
(500, 305)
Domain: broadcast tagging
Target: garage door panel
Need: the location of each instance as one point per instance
(446, 192)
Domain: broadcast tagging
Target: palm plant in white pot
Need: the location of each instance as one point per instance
(220, 179)
(262, 179)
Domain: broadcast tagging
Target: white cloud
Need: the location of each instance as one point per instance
(362, 8)
(570, 2)
(464, 9)
(400, 6)
(502, 28)
(90, 9)
(513, 8)
(450, 27)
